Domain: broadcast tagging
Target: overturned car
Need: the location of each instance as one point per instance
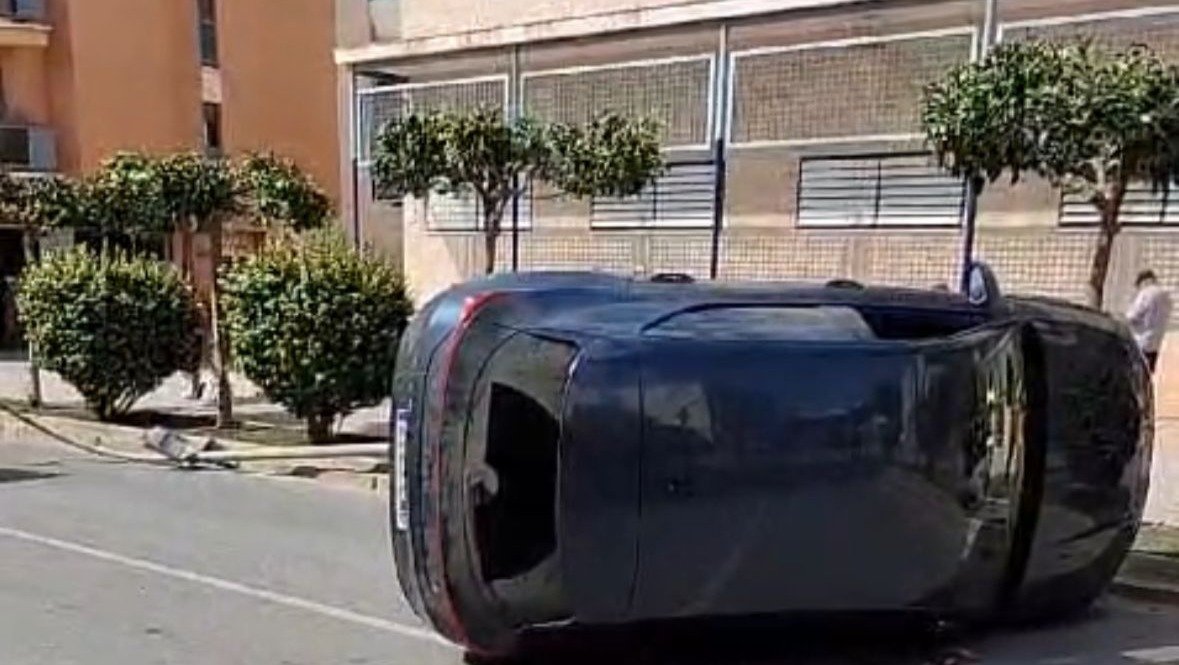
(584, 450)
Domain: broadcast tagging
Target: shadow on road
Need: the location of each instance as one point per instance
(1109, 633)
(844, 640)
(8, 475)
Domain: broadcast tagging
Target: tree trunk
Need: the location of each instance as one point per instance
(219, 339)
(319, 428)
(490, 236)
(1109, 208)
(31, 247)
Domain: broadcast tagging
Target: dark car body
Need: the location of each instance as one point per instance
(581, 450)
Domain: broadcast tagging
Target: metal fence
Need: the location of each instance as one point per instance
(794, 152)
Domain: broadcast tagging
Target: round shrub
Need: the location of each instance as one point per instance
(114, 326)
(315, 325)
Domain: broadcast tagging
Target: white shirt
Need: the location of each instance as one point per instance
(1148, 317)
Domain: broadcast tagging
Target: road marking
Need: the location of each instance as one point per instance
(227, 585)
(1160, 656)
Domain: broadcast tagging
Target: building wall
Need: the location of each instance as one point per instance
(278, 82)
(26, 94)
(811, 84)
(124, 74)
(427, 18)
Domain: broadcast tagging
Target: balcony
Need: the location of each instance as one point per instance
(25, 148)
(22, 23)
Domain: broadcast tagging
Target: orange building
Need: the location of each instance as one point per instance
(81, 79)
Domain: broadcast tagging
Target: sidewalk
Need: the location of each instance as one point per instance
(173, 397)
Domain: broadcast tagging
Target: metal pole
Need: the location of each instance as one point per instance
(354, 148)
(718, 207)
(974, 185)
(515, 112)
(990, 26)
(720, 103)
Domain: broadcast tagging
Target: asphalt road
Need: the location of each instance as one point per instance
(115, 564)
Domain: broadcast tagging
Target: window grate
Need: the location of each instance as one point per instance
(464, 213)
(891, 190)
(1142, 206)
(683, 197)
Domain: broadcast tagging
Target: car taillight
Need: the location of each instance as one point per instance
(435, 557)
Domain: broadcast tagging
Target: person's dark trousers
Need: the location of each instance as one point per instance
(1152, 360)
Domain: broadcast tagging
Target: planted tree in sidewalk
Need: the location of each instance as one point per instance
(112, 325)
(37, 205)
(200, 194)
(315, 325)
(1088, 120)
(126, 198)
(489, 158)
(278, 193)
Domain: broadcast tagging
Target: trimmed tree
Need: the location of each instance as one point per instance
(111, 325)
(36, 205)
(1088, 120)
(126, 197)
(279, 193)
(482, 155)
(315, 325)
(199, 194)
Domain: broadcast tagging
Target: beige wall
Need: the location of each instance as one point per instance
(427, 18)
(279, 82)
(125, 75)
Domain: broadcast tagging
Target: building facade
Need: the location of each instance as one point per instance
(83, 79)
(802, 113)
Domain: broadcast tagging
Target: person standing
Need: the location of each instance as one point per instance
(1149, 315)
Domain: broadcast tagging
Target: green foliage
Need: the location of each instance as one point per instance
(277, 192)
(985, 118)
(41, 203)
(198, 189)
(484, 155)
(1078, 115)
(1086, 119)
(315, 325)
(126, 196)
(112, 326)
(611, 156)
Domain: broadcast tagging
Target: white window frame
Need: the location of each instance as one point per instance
(731, 91)
(875, 197)
(656, 221)
(710, 92)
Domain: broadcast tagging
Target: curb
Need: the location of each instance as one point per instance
(1148, 577)
(122, 439)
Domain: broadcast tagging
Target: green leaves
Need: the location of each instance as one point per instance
(611, 156)
(112, 326)
(43, 203)
(198, 188)
(484, 155)
(277, 192)
(137, 194)
(126, 195)
(1077, 115)
(315, 324)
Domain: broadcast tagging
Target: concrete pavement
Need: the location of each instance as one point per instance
(116, 564)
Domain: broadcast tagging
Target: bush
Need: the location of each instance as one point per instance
(315, 325)
(113, 326)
